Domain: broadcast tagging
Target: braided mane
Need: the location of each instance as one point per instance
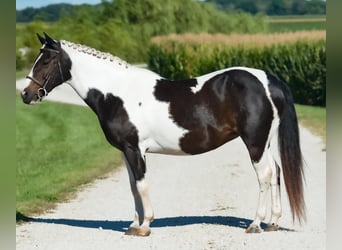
(96, 53)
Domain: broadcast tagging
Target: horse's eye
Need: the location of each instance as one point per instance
(45, 62)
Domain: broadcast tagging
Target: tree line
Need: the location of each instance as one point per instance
(274, 7)
(50, 13)
(124, 28)
(54, 12)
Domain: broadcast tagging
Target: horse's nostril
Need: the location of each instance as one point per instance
(25, 96)
(23, 93)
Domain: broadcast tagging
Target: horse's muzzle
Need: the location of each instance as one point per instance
(29, 98)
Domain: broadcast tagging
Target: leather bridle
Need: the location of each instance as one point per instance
(42, 92)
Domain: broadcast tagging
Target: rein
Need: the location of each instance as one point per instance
(42, 92)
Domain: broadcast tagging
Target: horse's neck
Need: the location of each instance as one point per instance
(89, 72)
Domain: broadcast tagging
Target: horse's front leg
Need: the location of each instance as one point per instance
(139, 212)
(143, 209)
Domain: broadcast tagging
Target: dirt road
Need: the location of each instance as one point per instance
(200, 202)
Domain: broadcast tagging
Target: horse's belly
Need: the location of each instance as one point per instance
(158, 133)
(163, 144)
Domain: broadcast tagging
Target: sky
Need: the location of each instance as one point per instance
(22, 4)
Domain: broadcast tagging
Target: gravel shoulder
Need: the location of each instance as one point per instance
(200, 202)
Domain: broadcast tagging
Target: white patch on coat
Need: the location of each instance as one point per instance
(135, 86)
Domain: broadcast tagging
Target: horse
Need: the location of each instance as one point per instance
(141, 112)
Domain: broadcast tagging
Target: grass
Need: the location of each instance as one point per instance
(296, 18)
(296, 23)
(282, 29)
(276, 27)
(313, 118)
(59, 147)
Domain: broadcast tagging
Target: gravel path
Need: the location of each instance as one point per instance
(200, 202)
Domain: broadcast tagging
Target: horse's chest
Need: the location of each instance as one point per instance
(114, 119)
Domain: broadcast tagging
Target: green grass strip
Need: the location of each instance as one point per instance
(313, 118)
(59, 147)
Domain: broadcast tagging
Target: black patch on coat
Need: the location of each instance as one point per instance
(117, 127)
(228, 105)
(166, 90)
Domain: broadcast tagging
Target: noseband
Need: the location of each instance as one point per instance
(42, 92)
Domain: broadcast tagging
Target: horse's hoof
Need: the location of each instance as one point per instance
(271, 227)
(253, 229)
(132, 231)
(143, 231)
(138, 231)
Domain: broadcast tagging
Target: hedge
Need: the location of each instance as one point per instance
(301, 64)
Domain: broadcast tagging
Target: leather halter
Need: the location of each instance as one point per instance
(42, 92)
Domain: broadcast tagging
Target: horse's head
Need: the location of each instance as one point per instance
(50, 69)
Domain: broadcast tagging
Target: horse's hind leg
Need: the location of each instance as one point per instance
(268, 173)
(264, 174)
(275, 191)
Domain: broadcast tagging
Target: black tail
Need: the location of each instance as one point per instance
(291, 157)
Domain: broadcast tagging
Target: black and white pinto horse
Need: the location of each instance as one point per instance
(140, 111)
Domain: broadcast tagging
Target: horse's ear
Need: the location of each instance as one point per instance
(54, 44)
(48, 39)
(41, 39)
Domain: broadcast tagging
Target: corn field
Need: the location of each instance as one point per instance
(249, 40)
(300, 62)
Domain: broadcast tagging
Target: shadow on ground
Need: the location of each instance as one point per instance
(121, 226)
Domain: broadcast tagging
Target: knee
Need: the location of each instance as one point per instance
(142, 186)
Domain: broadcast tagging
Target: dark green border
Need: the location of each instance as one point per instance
(7, 125)
(334, 124)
